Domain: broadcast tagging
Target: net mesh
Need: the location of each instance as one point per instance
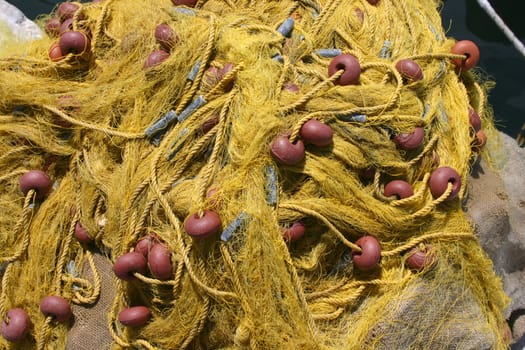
(139, 152)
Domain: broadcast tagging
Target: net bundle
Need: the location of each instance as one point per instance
(260, 174)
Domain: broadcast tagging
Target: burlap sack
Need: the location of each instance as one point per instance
(90, 328)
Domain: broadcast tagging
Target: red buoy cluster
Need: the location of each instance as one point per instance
(314, 132)
(17, 323)
(151, 254)
(75, 42)
(167, 38)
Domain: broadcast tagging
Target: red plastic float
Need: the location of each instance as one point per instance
(439, 180)
(471, 52)
(144, 245)
(370, 255)
(294, 232)
(189, 3)
(474, 119)
(418, 259)
(203, 226)
(36, 180)
(65, 26)
(351, 67)
(286, 152)
(128, 264)
(16, 325)
(155, 58)
(56, 307)
(67, 10)
(74, 42)
(135, 316)
(409, 69)
(166, 37)
(159, 261)
(291, 87)
(399, 188)
(480, 142)
(52, 26)
(316, 133)
(410, 141)
(81, 234)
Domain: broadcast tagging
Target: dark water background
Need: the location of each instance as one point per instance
(463, 19)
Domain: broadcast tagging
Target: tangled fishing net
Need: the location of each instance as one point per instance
(260, 174)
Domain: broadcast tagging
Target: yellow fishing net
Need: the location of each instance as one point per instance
(240, 129)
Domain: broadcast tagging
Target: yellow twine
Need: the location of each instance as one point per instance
(252, 289)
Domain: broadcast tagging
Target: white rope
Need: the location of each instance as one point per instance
(485, 5)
